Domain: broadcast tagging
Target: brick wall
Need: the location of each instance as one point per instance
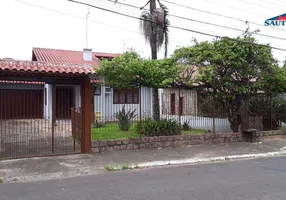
(172, 141)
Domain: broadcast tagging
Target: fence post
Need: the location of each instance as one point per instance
(140, 111)
(53, 116)
(213, 116)
(180, 125)
(86, 117)
(271, 104)
(213, 120)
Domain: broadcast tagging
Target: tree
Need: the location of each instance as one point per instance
(272, 109)
(154, 25)
(129, 70)
(233, 70)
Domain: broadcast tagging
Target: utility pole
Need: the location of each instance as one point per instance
(86, 27)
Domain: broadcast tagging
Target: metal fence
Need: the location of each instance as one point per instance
(192, 109)
(35, 118)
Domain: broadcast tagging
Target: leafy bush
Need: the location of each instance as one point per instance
(97, 124)
(151, 127)
(186, 126)
(125, 118)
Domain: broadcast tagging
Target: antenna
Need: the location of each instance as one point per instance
(86, 26)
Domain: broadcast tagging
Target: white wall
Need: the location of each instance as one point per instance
(48, 106)
(104, 104)
(206, 123)
(77, 96)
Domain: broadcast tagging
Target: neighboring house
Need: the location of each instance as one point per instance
(183, 101)
(179, 102)
(107, 101)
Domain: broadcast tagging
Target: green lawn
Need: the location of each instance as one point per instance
(283, 128)
(195, 132)
(112, 132)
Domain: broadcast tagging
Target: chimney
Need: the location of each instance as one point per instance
(87, 54)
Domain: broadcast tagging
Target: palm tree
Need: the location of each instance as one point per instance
(154, 26)
(155, 30)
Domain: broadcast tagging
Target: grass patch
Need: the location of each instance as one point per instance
(1, 180)
(283, 128)
(126, 167)
(111, 168)
(120, 168)
(112, 132)
(194, 132)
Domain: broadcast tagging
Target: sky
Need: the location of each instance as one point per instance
(60, 24)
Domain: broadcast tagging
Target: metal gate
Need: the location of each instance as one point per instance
(37, 119)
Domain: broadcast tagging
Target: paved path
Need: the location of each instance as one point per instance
(260, 179)
(43, 168)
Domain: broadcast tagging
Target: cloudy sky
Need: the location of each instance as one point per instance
(61, 24)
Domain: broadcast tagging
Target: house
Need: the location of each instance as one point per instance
(180, 100)
(106, 100)
(36, 96)
(183, 103)
(27, 128)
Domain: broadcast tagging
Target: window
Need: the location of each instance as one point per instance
(126, 96)
(97, 91)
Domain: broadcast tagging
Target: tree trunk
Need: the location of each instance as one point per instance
(156, 106)
(234, 120)
(234, 124)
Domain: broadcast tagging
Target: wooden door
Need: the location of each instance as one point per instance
(173, 104)
(181, 105)
(21, 104)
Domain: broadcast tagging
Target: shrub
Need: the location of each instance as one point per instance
(125, 118)
(97, 124)
(186, 126)
(151, 127)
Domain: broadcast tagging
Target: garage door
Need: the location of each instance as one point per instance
(21, 104)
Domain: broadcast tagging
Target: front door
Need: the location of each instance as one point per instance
(64, 102)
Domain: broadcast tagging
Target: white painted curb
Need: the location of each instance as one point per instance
(212, 159)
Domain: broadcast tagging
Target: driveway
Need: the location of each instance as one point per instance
(33, 137)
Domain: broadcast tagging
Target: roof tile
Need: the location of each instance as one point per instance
(45, 67)
(67, 56)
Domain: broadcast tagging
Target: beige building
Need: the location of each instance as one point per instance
(179, 102)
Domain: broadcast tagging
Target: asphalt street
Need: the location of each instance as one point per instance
(261, 179)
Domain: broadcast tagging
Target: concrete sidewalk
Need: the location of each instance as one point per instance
(44, 168)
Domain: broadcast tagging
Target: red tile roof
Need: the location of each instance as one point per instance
(67, 56)
(22, 82)
(45, 67)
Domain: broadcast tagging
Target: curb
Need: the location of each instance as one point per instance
(212, 159)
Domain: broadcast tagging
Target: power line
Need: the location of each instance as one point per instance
(82, 18)
(220, 15)
(208, 23)
(175, 27)
(262, 6)
(272, 3)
